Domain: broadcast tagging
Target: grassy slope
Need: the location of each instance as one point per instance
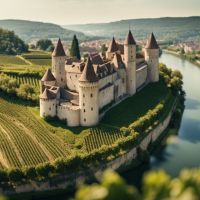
(33, 61)
(136, 106)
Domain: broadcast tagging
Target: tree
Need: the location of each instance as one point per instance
(25, 91)
(15, 175)
(112, 187)
(75, 51)
(45, 45)
(11, 44)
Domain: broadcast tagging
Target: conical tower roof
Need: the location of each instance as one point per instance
(47, 94)
(59, 50)
(129, 39)
(48, 76)
(88, 74)
(152, 43)
(113, 46)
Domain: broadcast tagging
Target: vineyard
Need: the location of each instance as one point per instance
(101, 136)
(26, 80)
(25, 141)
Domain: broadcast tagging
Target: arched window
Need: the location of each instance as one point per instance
(91, 95)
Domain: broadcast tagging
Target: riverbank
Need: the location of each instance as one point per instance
(181, 56)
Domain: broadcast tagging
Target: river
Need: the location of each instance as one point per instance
(183, 150)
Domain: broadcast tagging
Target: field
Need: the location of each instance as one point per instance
(11, 60)
(25, 141)
(33, 61)
(26, 80)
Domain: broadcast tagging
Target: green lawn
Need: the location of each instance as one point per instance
(136, 106)
(11, 60)
(44, 62)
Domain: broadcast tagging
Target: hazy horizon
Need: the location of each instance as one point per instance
(66, 12)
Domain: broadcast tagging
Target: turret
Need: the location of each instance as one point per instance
(112, 49)
(130, 63)
(58, 64)
(88, 96)
(47, 104)
(152, 59)
(47, 79)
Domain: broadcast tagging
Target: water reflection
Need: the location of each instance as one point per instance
(184, 152)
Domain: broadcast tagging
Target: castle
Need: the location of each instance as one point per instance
(77, 91)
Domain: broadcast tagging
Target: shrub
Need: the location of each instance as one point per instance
(15, 175)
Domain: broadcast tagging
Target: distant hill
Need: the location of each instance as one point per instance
(29, 30)
(168, 28)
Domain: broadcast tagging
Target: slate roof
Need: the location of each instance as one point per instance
(113, 46)
(118, 61)
(59, 50)
(47, 94)
(152, 43)
(48, 76)
(129, 39)
(88, 74)
(96, 59)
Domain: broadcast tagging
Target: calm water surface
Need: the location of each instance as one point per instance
(183, 151)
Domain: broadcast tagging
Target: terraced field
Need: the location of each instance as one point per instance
(26, 80)
(25, 141)
(101, 136)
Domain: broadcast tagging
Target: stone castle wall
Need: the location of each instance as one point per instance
(141, 76)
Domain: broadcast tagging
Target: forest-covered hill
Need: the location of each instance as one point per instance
(168, 28)
(30, 30)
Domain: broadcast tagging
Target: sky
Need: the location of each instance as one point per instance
(66, 12)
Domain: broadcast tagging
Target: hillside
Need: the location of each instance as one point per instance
(29, 30)
(168, 28)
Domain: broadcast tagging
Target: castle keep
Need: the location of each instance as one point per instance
(77, 91)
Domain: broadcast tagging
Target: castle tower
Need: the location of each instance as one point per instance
(130, 63)
(152, 59)
(47, 104)
(88, 96)
(58, 64)
(47, 79)
(112, 49)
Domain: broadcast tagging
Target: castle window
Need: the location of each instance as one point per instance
(62, 79)
(84, 110)
(83, 104)
(92, 109)
(83, 96)
(91, 95)
(76, 76)
(50, 108)
(84, 120)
